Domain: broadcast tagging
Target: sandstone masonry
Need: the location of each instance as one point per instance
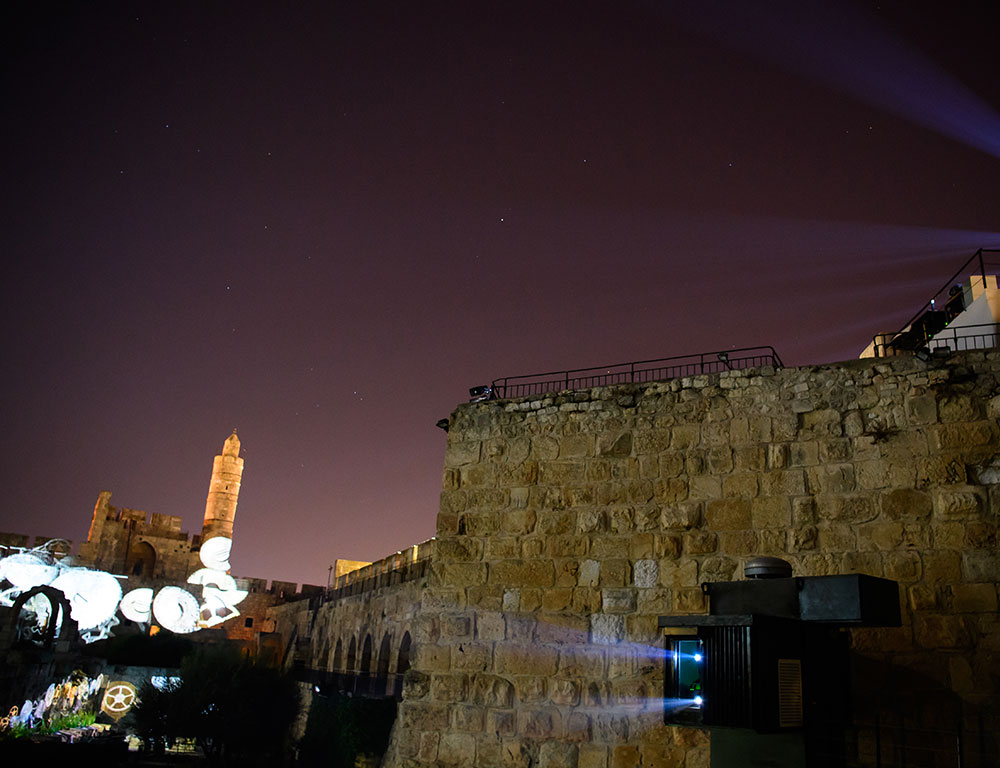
(569, 523)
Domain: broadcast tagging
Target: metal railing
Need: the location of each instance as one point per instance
(960, 338)
(940, 309)
(638, 372)
(960, 741)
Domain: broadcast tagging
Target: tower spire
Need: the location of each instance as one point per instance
(223, 491)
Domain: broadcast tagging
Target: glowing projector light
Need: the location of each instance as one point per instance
(697, 657)
(137, 605)
(177, 610)
(214, 553)
(26, 570)
(209, 577)
(93, 596)
(698, 701)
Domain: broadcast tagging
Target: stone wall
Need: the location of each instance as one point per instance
(569, 523)
(375, 605)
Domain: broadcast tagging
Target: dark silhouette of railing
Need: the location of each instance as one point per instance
(639, 372)
(926, 328)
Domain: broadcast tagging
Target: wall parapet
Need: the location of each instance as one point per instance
(409, 564)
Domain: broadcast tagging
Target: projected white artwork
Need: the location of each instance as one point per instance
(94, 598)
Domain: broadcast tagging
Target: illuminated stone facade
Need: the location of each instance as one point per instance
(152, 550)
(569, 523)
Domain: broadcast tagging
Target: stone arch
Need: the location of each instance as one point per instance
(59, 617)
(403, 660)
(364, 679)
(352, 655)
(384, 653)
(366, 655)
(382, 675)
(338, 657)
(141, 560)
(324, 654)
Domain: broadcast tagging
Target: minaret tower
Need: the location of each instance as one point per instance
(223, 491)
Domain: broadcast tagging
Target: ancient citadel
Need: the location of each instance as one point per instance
(527, 632)
(570, 522)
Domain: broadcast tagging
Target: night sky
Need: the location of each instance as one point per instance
(321, 223)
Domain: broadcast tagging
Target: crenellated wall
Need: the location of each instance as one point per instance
(569, 523)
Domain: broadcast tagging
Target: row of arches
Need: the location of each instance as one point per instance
(367, 673)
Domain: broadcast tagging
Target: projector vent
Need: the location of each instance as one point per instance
(789, 693)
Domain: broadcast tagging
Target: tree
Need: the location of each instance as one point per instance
(240, 711)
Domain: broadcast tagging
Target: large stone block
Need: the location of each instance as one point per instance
(803, 454)
(906, 504)
(680, 516)
(448, 687)
(942, 566)
(464, 574)
(556, 754)
(593, 756)
(582, 661)
(749, 458)
(981, 565)
(790, 482)
(492, 691)
(625, 756)
(424, 715)
(684, 437)
(518, 521)
(461, 453)
(557, 599)
(618, 600)
(514, 659)
(456, 749)
(606, 629)
(902, 566)
(853, 508)
(523, 573)
(472, 657)
(741, 485)
(931, 630)
(974, 598)
(728, 514)
(705, 487)
(615, 572)
(958, 503)
(770, 512)
(837, 538)
(701, 542)
(544, 448)
(831, 478)
(646, 573)
(540, 723)
(921, 409)
(560, 472)
(940, 470)
(531, 689)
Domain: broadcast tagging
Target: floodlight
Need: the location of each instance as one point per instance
(481, 393)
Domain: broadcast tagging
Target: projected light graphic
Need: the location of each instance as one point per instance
(852, 51)
(95, 597)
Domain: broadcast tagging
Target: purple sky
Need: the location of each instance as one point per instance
(321, 223)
